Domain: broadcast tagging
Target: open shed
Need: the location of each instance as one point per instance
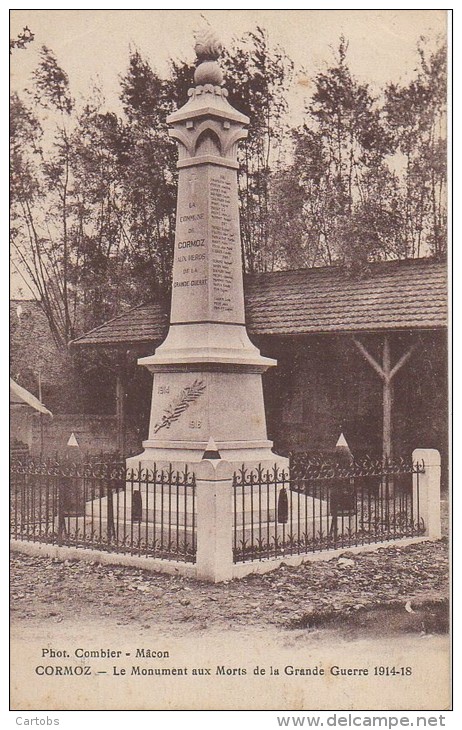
(363, 353)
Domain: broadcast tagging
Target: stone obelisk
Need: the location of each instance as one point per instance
(207, 375)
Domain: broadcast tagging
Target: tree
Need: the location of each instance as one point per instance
(34, 261)
(257, 77)
(149, 174)
(339, 161)
(34, 180)
(290, 245)
(22, 39)
(94, 194)
(41, 195)
(67, 209)
(416, 116)
(100, 244)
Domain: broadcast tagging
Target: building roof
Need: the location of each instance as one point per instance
(21, 397)
(392, 295)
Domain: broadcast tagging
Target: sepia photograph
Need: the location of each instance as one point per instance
(230, 481)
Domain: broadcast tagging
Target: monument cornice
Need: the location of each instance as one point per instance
(207, 160)
(207, 364)
(201, 445)
(192, 112)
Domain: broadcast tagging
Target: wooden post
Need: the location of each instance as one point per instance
(120, 412)
(387, 400)
(40, 414)
(386, 373)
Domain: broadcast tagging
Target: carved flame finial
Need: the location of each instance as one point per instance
(208, 48)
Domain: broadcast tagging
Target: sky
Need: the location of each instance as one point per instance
(94, 44)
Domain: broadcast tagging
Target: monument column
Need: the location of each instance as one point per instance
(207, 375)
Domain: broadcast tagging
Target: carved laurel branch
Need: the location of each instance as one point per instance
(174, 410)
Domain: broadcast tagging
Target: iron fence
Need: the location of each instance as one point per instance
(103, 505)
(327, 503)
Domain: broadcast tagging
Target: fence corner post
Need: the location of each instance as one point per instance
(429, 485)
(214, 555)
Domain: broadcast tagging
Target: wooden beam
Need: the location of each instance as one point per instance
(386, 373)
(120, 411)
(387, 399)
(369, 358)
(404, 358)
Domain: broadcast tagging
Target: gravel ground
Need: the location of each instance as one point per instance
(411, 581)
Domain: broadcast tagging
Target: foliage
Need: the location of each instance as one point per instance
(339, 162)
(148, 174)
(93, 191)
(416, 116)
(359, 203)
(39, 175)
(258, 78)
(93, 197)
(22, 39)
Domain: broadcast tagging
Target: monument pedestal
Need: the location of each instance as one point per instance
(191, 406)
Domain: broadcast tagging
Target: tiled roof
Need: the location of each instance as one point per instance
(144, 323)
(392, 295)
(409, 294)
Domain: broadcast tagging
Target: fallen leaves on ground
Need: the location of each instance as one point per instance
(390, 576)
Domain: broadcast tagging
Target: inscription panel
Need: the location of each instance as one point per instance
(207, 275)
(223, 240)
(190, 265)
(226, 293)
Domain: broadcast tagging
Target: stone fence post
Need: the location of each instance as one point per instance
(214, 554)
(428, 496)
